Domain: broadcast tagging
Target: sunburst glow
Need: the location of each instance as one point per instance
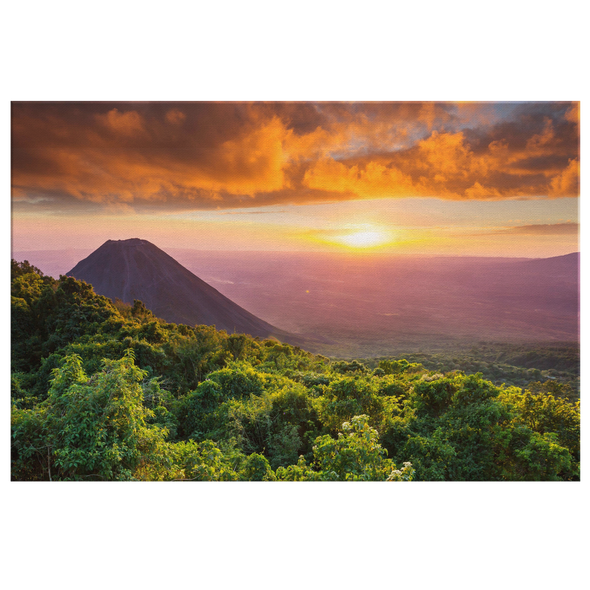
(364, 239)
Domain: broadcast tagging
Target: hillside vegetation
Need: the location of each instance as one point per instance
(107, 391)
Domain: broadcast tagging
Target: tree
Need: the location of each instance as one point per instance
(196, 353)
(236, 345)
(355, 455)
(257, 468)
(543, 412)
(91, 428)
(393, 367)
(350, 396)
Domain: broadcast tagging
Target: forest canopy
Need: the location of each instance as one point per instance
(104, 390)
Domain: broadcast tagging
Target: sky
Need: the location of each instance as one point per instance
(427, 178)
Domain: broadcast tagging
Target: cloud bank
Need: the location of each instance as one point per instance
(183, 156)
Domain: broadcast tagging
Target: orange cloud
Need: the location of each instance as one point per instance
(432, 114)
(175, 116)
(128, 123)
(567, 182)
(444, 165)
(373, 181)
(203, 155)
(480, 192)
(251, 163)
(446, 155)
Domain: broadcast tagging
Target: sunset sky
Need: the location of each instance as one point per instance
(491, 179)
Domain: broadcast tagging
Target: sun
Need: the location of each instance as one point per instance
(364, 238)
(356, 237)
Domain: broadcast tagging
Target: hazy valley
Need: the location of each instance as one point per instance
(377, 305)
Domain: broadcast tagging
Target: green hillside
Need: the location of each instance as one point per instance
(107, 391)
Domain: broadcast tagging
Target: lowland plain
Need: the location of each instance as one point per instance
(370, 305)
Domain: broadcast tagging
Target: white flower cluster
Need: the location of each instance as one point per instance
(405, 474)
(432, 377)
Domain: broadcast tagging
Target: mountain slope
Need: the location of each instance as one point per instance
(566, 266)
(136, 269)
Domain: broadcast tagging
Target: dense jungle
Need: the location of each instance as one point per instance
(104, 390)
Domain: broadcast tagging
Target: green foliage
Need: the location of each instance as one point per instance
(92, 428)
(195, 353)
(261, 412)
(257, 468)
(346, 397)
(107, 391)
(203, 461)
(465, 428)
(355, 455)
(197, 411)
(393, 367)
(300, 471)
(238, 381)
(236, 345)
(545, 414)
(349, 367)
(431, 456)
(519, 364)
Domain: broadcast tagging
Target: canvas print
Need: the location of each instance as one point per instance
(295, 291)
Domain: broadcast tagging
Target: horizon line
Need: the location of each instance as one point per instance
(338, 252)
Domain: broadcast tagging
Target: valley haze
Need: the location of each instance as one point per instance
(374, 304)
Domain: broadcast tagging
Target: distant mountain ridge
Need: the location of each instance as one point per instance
(567, 265)
(137, 269)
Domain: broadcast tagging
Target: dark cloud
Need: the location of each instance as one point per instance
(222, 155)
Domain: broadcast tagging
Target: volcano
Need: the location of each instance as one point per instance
(136, 269)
